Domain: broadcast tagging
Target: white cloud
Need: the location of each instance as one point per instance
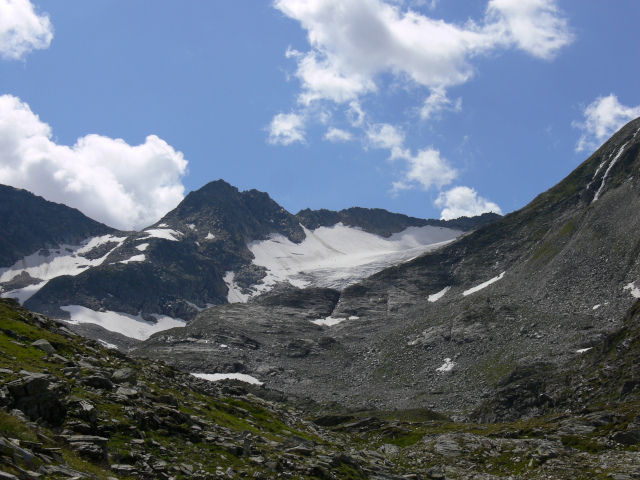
(464, 202)
(124, 186)
(534, 26)
(353, 41)
(437, 102)
(286, 128)
(337, 135)
(603, 117)
(22, 30)
(427, 169)
(386, 136)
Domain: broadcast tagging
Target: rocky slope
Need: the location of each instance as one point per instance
(70, 408)
(440, 331)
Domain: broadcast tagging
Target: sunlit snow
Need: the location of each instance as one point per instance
(447, 366)
(582, 350)
(125, 324)
(63, 260)
(329, 321)
(234, 295)
(214, 377)
(339, 256)
(142, 247)
(477, 288)
(635, 291)
(164, 233)
(135, 258)
(437, 296)
(210, 236)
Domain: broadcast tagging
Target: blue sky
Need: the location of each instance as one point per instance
(428, 108)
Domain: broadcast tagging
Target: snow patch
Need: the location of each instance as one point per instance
(48, 264)
(635, 291)
(329, 321)
(595, 307)
(163, 233)
(214, 377)
(582, 350)
(235, 295)
(210, 236)
(135, 258)
(142, 247)
(483, 285)
(108, 345)
(447, 366)
(437, 296)
(122, 323)
(192, 226)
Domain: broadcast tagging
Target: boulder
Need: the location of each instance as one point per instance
(44, 345)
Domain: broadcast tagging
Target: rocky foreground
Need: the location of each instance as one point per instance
(73, 409)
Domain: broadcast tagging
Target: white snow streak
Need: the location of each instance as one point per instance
(142, 247)
(214, 377)
(437, 296)
(125, 324)
(582, 350)
(606, 174)
(483, 285)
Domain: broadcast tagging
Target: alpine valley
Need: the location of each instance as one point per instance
(380, 345)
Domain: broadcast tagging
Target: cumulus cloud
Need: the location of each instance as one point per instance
(464, 202)
(337, 135)
(426, 169)
(603, 117)
(124, 186)
(22, 30)
(534, 26)
(354, 41)
(287, 128)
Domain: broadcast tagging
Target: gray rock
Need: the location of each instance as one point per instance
(124, 375)
(44, 345)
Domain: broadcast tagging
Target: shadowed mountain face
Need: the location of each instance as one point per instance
(535, 287)
(30, 223)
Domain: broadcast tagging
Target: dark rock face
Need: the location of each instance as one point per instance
(30, 223)
(384, 223)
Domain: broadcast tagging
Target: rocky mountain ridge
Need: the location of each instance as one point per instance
(440, 331)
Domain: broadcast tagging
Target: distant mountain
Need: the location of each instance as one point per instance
(218, 245)
(384, 223)
(31, 223)
(446, 329)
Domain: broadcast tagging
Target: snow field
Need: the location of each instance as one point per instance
(339, 256)
(214, 377)
(127, 325)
